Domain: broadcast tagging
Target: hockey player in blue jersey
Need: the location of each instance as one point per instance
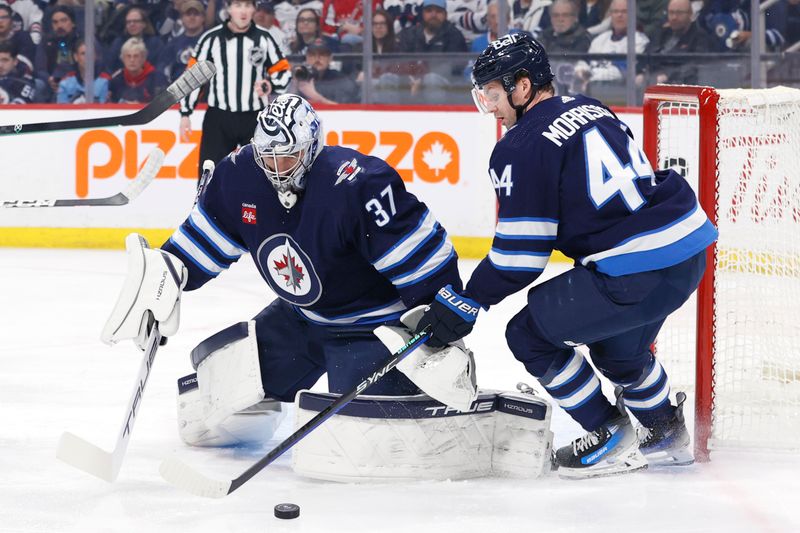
(334, 234)
(568, 175)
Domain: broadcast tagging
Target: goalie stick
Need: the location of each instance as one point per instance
(84, 455)
(190, 80)
(142, 180)
(182, 475)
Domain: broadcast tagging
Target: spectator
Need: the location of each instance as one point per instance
(480, 43)
(286, 12)
(319, 84)
(651, 16)
(729, 21)
(138, 81)
(54, 54)
(15, 88)
(171, 26)
(434, 35)
(613, 41)
(405, 13)
(24, 49)
(531, 15)
(27, 17)
(72, 88)
(342, 20)
(681, 36)
(594, 16)
(265, 17)
(139, 26)
(307, 32)
(175, 55)
(384, 40)
(566, 33)
(469, 16)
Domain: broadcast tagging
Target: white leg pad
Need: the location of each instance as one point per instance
(229, 375)
(523, 442)
(382, 438)
(251, 426)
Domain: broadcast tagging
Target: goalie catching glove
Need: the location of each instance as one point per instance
(445, 374)
(152, 291)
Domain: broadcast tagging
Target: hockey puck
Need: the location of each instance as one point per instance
(285, 511)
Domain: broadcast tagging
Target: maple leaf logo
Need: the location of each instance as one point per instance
(292, 272)
(437, 158)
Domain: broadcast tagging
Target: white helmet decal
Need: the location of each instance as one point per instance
(288, 127)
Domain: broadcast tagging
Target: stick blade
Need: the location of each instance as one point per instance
(187, 478)
(85, 456)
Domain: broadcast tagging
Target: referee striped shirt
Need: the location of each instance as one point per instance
(241, 59)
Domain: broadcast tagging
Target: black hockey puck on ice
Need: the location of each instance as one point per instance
(287, 511)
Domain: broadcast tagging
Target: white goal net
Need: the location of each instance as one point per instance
(741, 149)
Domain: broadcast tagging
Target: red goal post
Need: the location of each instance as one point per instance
(740, 149)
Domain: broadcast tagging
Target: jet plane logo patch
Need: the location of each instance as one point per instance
(348, 171)
(288, 270)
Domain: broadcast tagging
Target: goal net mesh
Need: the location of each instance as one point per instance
(756, 319)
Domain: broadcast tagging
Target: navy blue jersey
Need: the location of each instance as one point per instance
(569, 176)
(356, 248)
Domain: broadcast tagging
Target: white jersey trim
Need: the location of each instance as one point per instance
(409, 244)
(657, 239)
(395, 307)
(208, 229)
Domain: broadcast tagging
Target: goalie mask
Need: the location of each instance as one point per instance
(287, 140)
(506, 60)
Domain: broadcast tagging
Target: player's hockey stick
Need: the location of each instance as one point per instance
(142, 180)
(181, 475)
(92, 459)
(190, 80)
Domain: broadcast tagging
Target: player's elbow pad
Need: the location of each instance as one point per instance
(153, 286)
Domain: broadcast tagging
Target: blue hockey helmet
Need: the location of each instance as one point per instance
(508, 59)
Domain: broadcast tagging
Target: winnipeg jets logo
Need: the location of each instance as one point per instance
(348, 171)
(288, 270)
(566, 99)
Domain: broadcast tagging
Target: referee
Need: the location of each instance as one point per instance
(250, 66)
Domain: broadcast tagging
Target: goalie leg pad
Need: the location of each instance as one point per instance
(251, 426)
(394, 438)
(228, 372)
(523, 442)
(382, 438)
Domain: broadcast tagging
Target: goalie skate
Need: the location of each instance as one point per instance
(611, 449)
(667, 444)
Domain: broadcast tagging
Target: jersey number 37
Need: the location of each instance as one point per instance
(607, 177)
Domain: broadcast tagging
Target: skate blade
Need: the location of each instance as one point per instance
(630, 461)
(670, 458)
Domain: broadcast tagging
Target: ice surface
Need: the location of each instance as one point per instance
(55, 375)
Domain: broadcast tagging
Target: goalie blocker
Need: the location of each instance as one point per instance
(382, 438)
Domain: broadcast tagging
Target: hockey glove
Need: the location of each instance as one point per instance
(451, 317)
(152, 291)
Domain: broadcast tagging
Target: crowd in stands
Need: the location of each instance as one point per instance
(141, 46)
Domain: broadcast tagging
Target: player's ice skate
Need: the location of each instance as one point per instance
(667, 444)
(611, 449)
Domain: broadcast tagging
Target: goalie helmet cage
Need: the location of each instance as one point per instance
(735, 343)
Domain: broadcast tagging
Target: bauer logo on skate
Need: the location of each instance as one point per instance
(288, 270)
